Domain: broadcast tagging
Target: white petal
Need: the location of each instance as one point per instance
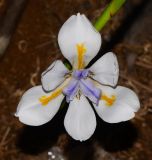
(80, 120)
(106, 69)
(129, 97)
(122, 109)
(30, 110)
(53, 76)
(78, 30)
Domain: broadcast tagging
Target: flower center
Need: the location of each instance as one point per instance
(80, 74)
(81, 84)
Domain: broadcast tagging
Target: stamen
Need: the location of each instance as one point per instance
(81, 50)
(109, 100)
(78, 95)
(67, 75)
(46, 99)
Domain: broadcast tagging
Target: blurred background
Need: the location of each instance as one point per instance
(28, 45)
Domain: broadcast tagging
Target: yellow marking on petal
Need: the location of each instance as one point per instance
(109, 100)
(46, 99)
(81, 50)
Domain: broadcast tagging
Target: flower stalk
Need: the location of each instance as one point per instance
(108, 12)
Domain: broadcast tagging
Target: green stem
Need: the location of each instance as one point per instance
(109, 11)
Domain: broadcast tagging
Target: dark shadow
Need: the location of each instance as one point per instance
(112, 137)
(115, 137)
(34, 140)
(119, 34)
(80, 150)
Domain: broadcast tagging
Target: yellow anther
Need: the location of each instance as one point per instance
(109, 100)
(46, 99)
(81, 50)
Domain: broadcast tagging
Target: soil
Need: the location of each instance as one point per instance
(34, 47)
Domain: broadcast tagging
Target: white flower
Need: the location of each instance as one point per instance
(79, 43)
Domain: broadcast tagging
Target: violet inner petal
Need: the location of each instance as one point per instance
(80, 74)
(71, 90)
(89, 90)
(82, 83)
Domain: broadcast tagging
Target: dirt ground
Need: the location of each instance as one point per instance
(34, 47)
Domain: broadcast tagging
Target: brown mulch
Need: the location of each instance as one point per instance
(34, 47)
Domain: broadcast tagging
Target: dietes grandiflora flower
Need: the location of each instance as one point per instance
(79, 43)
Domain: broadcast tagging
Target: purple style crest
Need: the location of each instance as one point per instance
(81, 84)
